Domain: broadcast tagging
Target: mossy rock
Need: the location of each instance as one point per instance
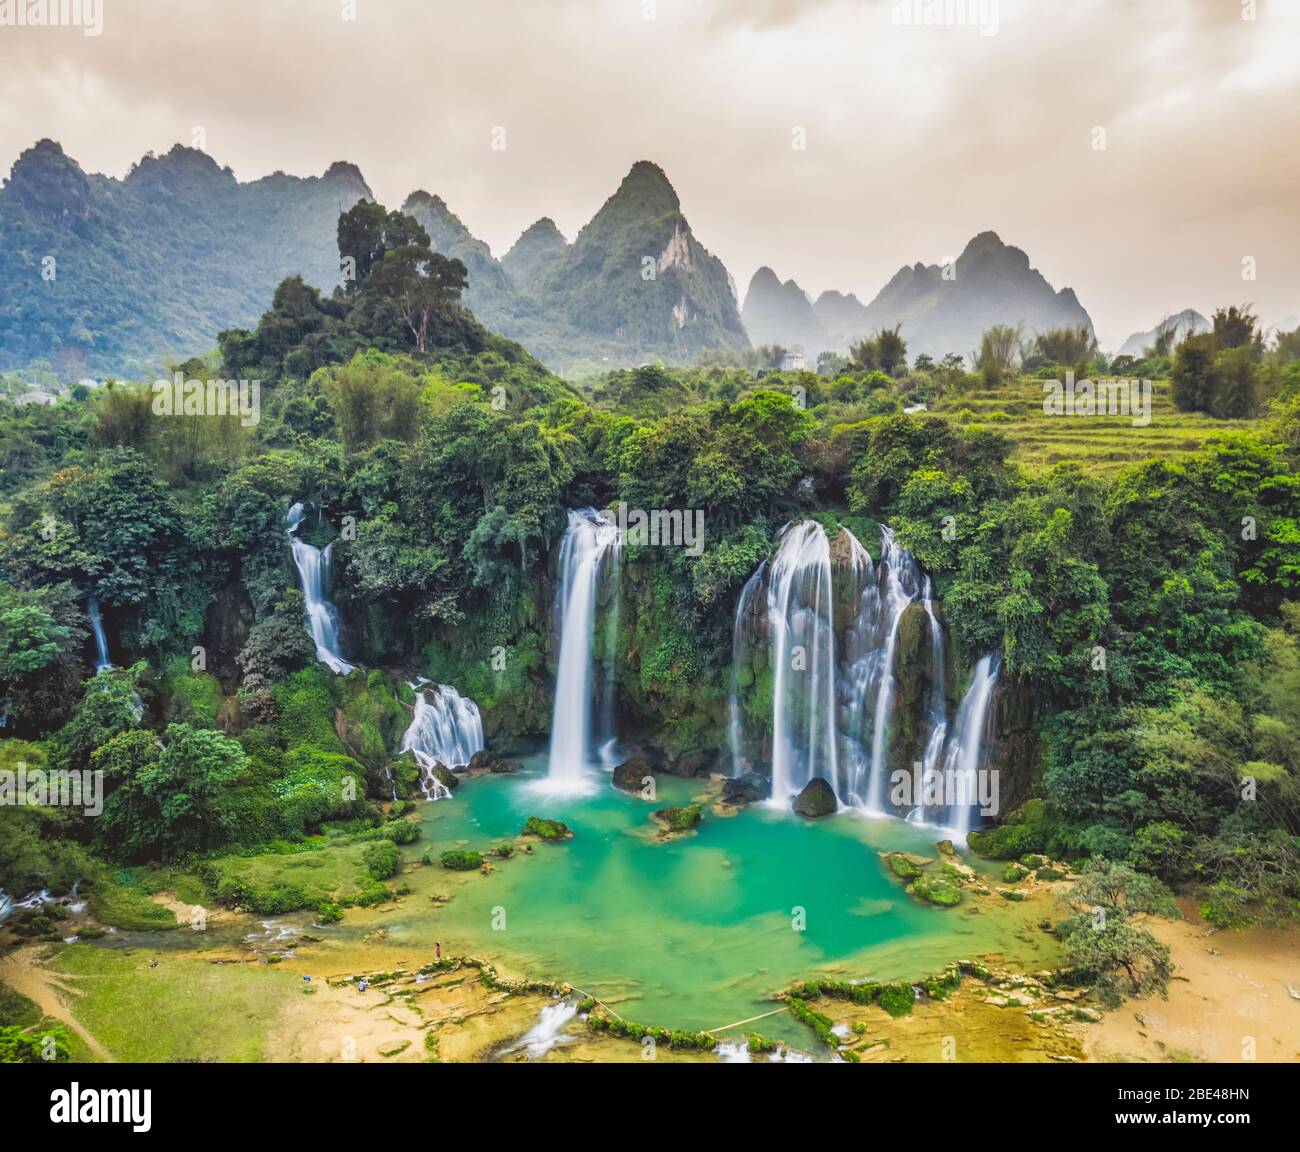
(549, 830)
(1033, 860)
(459, 860)
(902, 865)
(1011, 894)
(936, 890)
(1049, 873)
(945, 848)
(445, 776)
(680, 819)
(896, 999)
(1013, 873)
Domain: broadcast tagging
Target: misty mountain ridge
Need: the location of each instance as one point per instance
(1186, 323)
(153, 266)
(116, 276)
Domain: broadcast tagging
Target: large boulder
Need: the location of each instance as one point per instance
(631, 774)
(816, 799)
(751, 788)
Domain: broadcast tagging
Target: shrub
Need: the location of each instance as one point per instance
(459, 860)
(549, 830)
(382, 859)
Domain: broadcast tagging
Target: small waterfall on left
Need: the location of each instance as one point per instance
(590, 542)
(446, 729)
(313, 566)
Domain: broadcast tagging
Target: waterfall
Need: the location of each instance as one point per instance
(314, 575)
(966, 748)
(832, 619)
(102, 662)
(938, 707)
(588, 542)
(802, 639)
(735, 726)
(862, 659)
(899, 584)
(547, 1033)
(446, 729)
(608, 736)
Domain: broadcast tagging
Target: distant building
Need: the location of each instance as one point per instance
(792, 361)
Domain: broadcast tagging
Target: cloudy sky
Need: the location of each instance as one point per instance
(917, 136)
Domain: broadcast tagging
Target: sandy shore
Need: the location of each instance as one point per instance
(1228, 1001)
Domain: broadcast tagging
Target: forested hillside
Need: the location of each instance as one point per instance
(1146, 617)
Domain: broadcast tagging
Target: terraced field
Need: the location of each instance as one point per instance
(1103, 444)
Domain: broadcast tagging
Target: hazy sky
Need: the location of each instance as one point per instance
(917, 137)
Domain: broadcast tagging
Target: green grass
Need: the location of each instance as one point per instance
(184, 1009)
(121, 898)
(282, 882)
(1102, 444)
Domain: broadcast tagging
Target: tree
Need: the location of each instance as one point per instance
(864, 356)
(373, 398)
(1237, 387)
(417, 286)
(42, 632)
(1235, 327)
(366, 232)
(891, 350)
(1066, 346)
(168, 803)
(1102, 943)
(996, 355)
(1192, 378)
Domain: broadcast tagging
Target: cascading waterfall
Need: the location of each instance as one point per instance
(445, 729)
(801, 634)
(862, 666)
(588, 543)
(102, 662)
(899, 584)
(832, 711)
(314, 575)
(938, 700)
(608, 736)
(966, 748)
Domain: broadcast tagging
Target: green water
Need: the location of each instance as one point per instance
(695, 932)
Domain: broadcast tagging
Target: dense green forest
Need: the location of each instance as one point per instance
(1147, 614)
